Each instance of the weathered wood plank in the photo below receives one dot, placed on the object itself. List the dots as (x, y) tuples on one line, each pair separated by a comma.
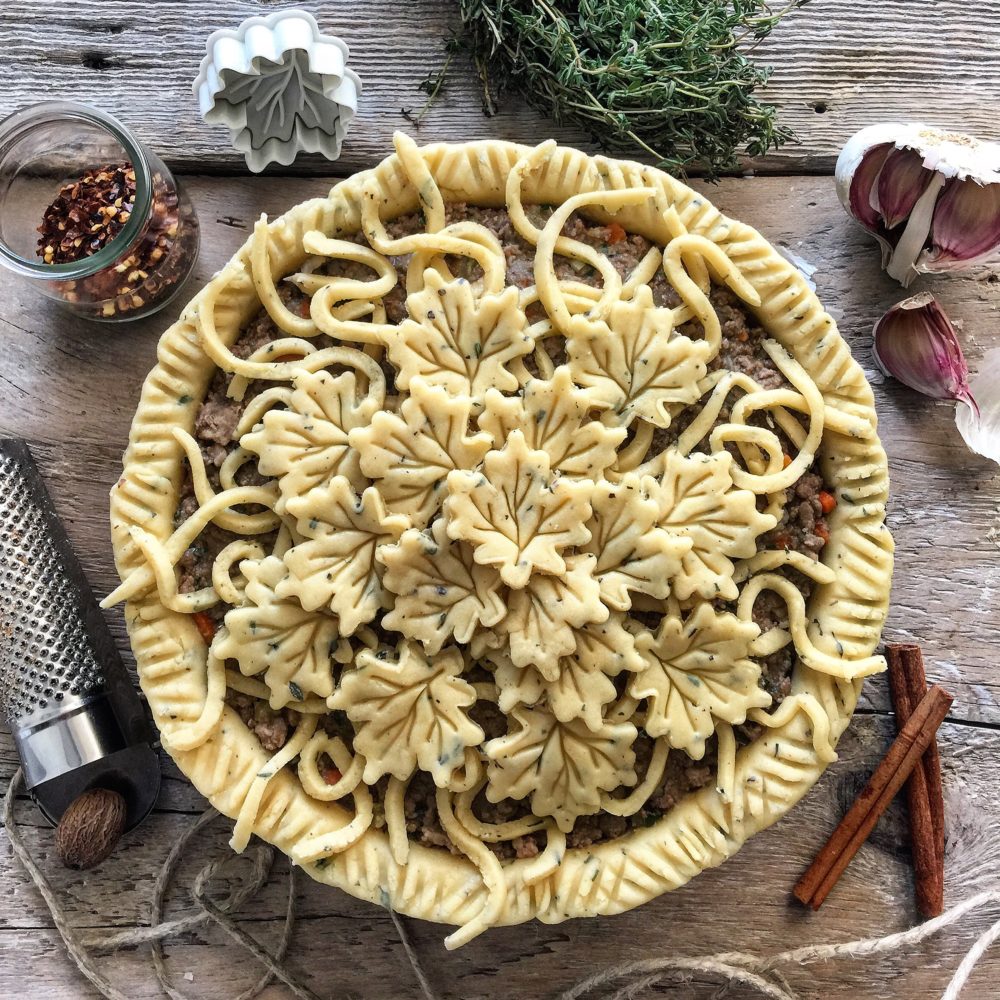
[(352, 944), (838, 66), (71, 388)]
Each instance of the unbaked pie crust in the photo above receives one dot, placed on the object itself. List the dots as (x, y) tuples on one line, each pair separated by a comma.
[(483, 513)]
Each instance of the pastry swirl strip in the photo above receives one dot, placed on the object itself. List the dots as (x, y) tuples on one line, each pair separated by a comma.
[(493, 280), (808, 653), (492, 833), (141, 580), (276, 371), (395, 819), (194, 734), (285, 348), (222, 568), (158, 560), (676, 255), (340, 840), (813, 401), (550, 242), (276, 395), (547, 860), (725, 781), (230, 520), (232, 464), (771, 559), (247, 815), (639, 795), (822, 735), (343, 322), (489, 869), (267, 292), (308, 768)]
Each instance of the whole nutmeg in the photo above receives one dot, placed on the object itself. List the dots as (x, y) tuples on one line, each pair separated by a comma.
[(90, 828)]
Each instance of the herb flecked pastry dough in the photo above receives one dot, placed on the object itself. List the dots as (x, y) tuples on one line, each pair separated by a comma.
[(506, 541)]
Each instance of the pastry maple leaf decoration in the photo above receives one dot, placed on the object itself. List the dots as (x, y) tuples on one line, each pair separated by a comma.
[(336, 566), (555, 417), (306, 444), (410, 712), (631, 552), (459, 343), (516, 514), (698, 671), (411, 453), (543, 618), (633, 365), (292, 647), (441, 591), (698, 502), (562, 766)]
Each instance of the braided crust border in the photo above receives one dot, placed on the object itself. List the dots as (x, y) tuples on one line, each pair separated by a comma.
[(772, 774)]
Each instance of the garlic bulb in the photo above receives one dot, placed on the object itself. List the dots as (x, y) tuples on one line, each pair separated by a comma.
[(931, 198)]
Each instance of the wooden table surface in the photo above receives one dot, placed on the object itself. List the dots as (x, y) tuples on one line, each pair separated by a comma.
[(70, 388)]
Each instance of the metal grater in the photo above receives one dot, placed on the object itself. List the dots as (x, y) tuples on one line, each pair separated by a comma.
[(77, 721)]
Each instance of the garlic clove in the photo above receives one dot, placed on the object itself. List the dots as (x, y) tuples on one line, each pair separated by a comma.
[(980, 426), (901, 182), (916, 344), (966, 224), (863, 186)]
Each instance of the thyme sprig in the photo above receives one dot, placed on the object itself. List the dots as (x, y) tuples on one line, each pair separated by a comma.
[(668, 77)]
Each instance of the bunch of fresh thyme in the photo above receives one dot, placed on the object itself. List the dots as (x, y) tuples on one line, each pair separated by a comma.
[(669, 77)]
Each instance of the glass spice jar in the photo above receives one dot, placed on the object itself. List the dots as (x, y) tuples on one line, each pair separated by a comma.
[(90, 215)]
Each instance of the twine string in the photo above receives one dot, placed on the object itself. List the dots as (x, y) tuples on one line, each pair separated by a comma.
[(82, 948), (625, 981)]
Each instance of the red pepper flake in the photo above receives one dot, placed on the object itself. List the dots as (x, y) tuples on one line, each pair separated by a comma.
[(822, 531), (827, 501), (303, 309), (206, 626), (782, 540), (615, 233), (786, 460)]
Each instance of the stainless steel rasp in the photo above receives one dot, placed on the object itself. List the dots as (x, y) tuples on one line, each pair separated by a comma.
[(77, 720)]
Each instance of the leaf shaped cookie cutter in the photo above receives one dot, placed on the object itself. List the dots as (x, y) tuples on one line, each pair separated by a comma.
[(280, 86)]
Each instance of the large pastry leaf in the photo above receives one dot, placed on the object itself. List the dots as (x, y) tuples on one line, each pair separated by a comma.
[(294, 649), (697, 672), (631, 552), (441, 591), (543, 617), (554, 417), (306, 445), (563, 766), (515, 514), (456, 342), (412, 452), (633, 364), (698, 502), (337, 567), (409, 713)]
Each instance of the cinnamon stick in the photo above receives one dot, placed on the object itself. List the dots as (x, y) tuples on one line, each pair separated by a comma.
[(889, 777), (925, 795)]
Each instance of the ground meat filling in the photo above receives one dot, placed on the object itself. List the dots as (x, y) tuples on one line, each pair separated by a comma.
[(802, 527)]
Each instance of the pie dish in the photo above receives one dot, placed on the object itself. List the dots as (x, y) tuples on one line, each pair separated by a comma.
[(502, 535)]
